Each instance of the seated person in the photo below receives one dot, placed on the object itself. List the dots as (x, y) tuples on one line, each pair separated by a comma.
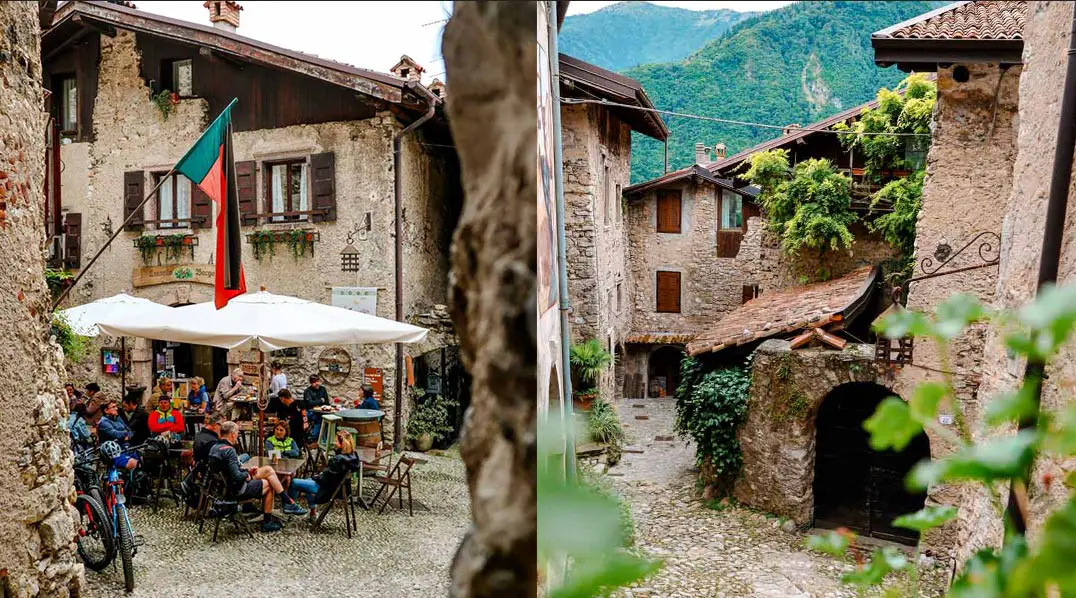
[(73, 396), (246, 484), (288, 408), (280, 441), (198, 398), (165, 418), (113, 429), (319, 489), (91, 391), (135, 416), (80, 431), (315, 395), (368, 400), (163, 388), (208, 436)]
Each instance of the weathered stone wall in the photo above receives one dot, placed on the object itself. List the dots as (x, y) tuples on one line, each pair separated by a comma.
[(37, 523), (773, 270), (131, 134), (1046, 37), (490, 56), (599, 284)]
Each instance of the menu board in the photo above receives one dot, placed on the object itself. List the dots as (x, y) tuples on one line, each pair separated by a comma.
[(375, 378)]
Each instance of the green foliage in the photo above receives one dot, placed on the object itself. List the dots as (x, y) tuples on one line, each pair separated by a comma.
[(165, 102), (57, 280), (797, 64), (173, 245), (811, 209), (589, 359), (599, 558), (603, 425), (709, 408), (602, 485), (906, 114), (927, 518), (883, 562), (262, 243), (892, 425), (831, 543), (75, 346), (430, 416)]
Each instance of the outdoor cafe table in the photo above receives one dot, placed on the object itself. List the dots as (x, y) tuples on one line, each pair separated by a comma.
[(354, 418), (284, 466)]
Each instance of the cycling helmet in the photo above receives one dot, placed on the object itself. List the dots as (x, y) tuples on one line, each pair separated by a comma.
[(110, 449)]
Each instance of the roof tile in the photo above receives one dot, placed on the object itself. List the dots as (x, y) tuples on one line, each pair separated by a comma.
[(969, 20)]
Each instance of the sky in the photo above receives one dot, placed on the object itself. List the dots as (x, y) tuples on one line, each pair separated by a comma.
[(369, 35), (581, 8)]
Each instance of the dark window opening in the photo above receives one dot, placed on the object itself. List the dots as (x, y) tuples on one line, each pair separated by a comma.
[(68, 105), (961, 74)]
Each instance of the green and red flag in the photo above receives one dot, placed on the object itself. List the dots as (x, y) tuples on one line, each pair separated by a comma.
[(211, 165)]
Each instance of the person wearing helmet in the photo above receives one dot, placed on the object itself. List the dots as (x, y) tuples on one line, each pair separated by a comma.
[(113, 429)]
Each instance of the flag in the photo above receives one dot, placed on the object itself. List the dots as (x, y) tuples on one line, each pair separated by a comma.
[(211, 165)]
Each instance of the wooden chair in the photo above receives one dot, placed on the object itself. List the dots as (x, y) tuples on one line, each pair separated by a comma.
[(341, 493), (398, 479)]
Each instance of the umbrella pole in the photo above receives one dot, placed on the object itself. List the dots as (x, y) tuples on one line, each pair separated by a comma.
[(123, 367), (263, 402)]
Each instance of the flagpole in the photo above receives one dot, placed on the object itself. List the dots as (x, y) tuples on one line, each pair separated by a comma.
[(115, 234)]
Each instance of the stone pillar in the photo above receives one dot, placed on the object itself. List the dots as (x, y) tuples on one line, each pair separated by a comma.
[(490, 56), (37, 523)]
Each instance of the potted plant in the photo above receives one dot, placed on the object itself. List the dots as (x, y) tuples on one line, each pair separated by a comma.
[(588, 360), (428, 422)]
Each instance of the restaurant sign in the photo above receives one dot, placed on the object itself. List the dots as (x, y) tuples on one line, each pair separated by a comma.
[(360, 299), (154, 275)]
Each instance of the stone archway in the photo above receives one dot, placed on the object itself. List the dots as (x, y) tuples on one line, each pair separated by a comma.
[(855, 486), (663, 371)]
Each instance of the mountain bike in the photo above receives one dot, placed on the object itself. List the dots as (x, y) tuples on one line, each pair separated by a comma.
[(116, 507), (96, 544)]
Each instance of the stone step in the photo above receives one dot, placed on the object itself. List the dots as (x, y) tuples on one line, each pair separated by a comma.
[(642, 417), (639, 406), (664, 438)]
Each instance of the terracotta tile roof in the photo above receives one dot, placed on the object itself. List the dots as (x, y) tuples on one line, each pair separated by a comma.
[(785, 311), (965, 20), (659, 338)]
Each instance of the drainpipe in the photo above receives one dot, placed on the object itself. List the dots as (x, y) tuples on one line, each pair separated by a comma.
[(397, 145), (1050, 257), (562, 260)]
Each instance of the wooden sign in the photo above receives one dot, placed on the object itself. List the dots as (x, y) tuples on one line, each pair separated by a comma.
[(155, 275), (376, 379)]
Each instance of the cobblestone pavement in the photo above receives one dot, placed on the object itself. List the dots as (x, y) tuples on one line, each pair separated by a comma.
[(731, 552), (390, 555)]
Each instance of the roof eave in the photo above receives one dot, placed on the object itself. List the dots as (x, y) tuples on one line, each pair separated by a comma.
[(382, 87), (696, 173), (926, 54)]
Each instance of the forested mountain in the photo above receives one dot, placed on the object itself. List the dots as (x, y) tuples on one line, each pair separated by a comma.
[(628, 34), (796, 64)]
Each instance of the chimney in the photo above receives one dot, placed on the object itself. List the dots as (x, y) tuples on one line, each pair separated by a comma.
[(408, 69), (437, 87), (702, 154), (719, 151), (224, 14)]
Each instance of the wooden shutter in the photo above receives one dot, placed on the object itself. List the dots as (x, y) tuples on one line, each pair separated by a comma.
[(323, 176), (246, 188), (201, 207), (72, 241), (669, 211), (133, 194), (668, 294)]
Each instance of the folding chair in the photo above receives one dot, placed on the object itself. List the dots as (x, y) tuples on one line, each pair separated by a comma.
[(398, 479), (215, 496), (341, 493)]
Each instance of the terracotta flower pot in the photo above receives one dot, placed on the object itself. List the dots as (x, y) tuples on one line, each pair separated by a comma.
[(584, 400), (424, 443)]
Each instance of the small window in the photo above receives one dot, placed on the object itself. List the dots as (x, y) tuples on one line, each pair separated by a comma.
[(404, 72), (669, 211), (668, 292), (173, 201), (183, 77), (288, 191), (617, 199), (731, 210), (69, 105), (607, 188), (618, 296)]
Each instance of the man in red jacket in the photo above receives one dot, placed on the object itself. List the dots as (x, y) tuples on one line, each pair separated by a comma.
[(165, 419)]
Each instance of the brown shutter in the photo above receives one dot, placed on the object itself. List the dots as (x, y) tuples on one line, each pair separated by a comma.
[(323, 176), (246, 188), (72, 241), (668, 294), (133, 194), (668, 207), (201, 208)]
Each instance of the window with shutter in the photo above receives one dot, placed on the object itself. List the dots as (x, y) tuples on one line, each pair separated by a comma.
[(72, 241), (246, 190), (133, 194), (201, 208), (669, 211), (668, 292), (323, 177)]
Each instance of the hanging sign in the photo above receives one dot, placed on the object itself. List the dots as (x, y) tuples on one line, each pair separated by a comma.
[(376, 379), (155, 275), (360, 299)]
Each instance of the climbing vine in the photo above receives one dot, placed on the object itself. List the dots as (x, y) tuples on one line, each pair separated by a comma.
[(710, 406), (74, 345), (789, 404), (166, 102)]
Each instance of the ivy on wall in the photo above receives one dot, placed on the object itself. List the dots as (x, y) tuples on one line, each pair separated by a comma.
[(710, 406)]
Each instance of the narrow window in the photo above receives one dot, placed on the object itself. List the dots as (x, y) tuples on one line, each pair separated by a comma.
[(607, 188), (731, 210), (183, 77), (669, 211), (668, 292), (618, 198), (173, 201), (69, 106), (288, 191), (618, 296)]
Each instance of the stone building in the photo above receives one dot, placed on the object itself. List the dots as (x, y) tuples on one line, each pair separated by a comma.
[(313, 146), (699, 249), (37, 557), (597, 167)]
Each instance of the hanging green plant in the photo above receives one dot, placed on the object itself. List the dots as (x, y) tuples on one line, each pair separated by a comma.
[(57, 280), (147, 247), (299, 240), (262, 242), (166, 102)]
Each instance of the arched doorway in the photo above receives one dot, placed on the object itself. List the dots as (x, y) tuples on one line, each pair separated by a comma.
[(855, 486), (663, 372)]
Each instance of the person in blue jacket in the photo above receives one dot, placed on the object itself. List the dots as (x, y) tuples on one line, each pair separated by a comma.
[(112, 427)]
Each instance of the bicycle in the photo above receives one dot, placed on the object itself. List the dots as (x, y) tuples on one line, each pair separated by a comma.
[(116, 507), (95, 542)]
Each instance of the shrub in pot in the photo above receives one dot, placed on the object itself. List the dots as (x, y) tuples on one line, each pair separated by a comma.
[(588, 360)]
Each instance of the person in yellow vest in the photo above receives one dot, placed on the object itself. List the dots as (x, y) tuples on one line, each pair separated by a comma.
[(280, 441)]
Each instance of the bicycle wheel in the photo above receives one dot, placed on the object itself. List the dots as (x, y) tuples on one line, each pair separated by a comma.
[(95, 546), (126, 541)]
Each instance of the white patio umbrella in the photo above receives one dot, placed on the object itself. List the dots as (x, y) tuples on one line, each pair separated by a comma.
[(84, 319)]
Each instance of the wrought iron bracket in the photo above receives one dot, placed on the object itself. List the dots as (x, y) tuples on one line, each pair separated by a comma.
[(989, 250)]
